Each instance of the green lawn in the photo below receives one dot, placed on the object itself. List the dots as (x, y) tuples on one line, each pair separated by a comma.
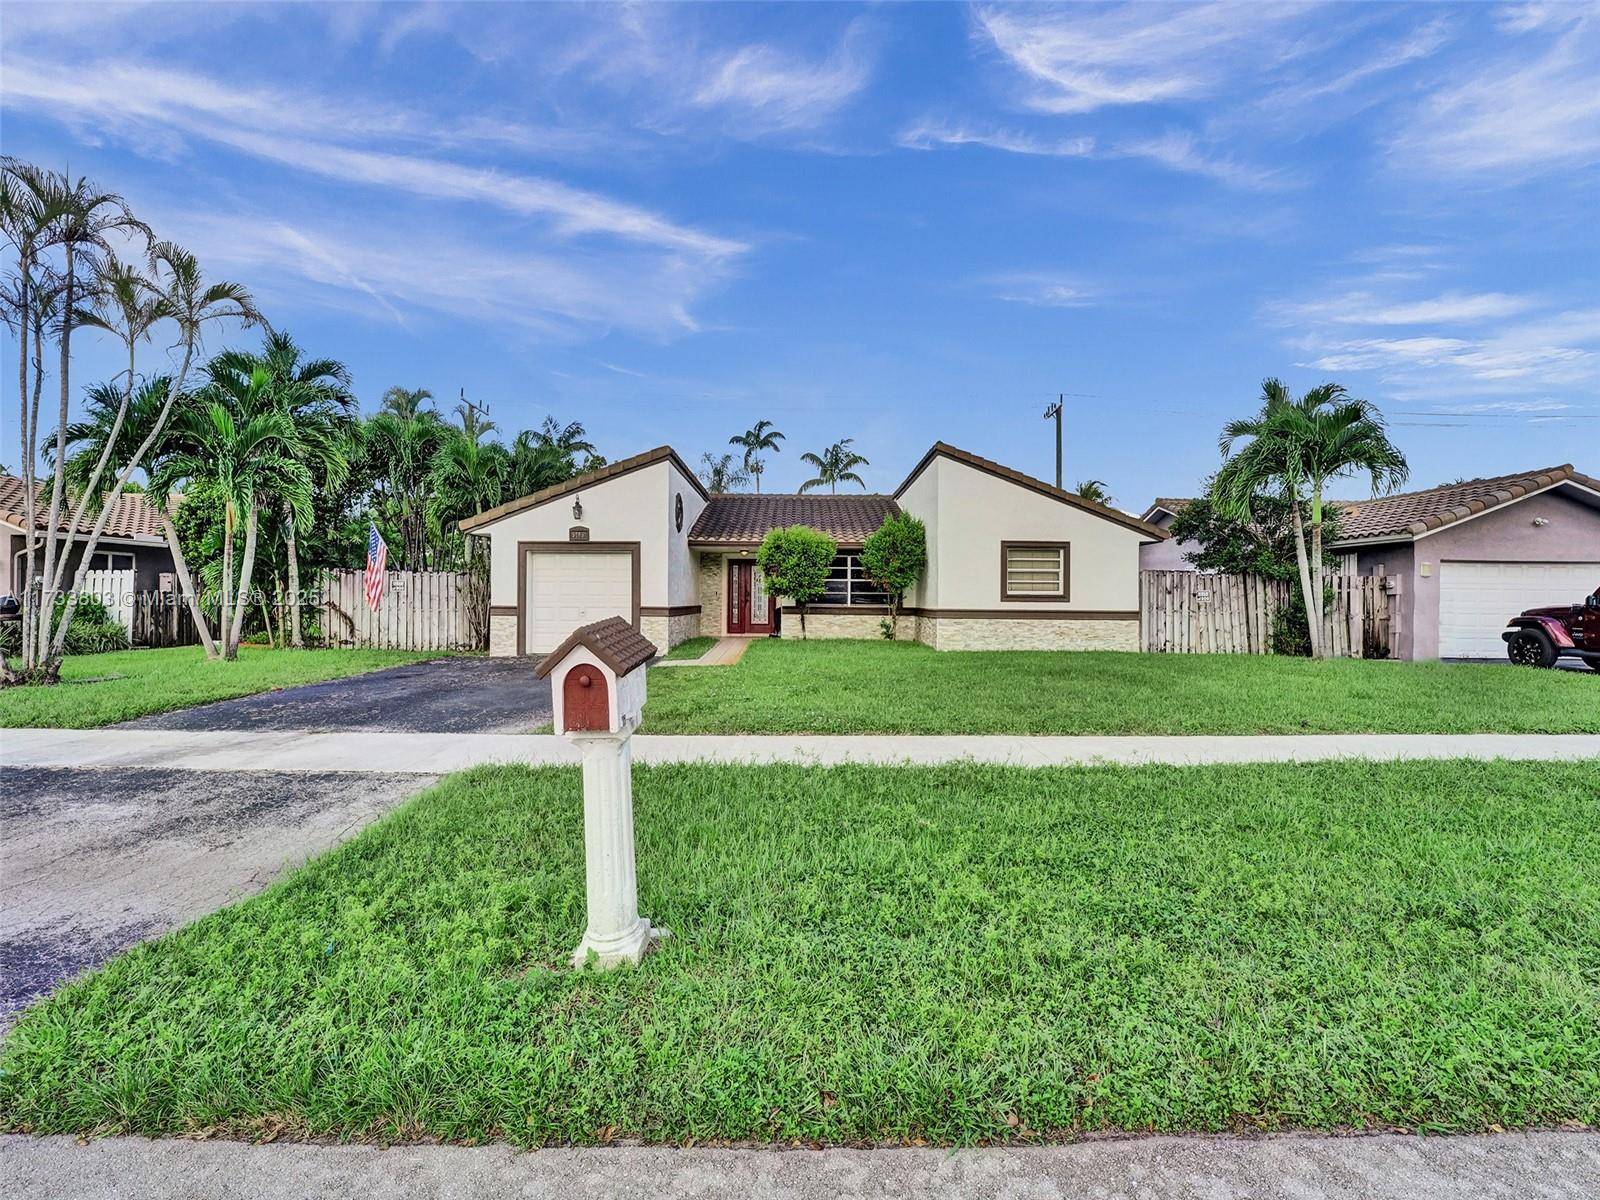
[(869, 954), (889, 687), (102, 689), (692, 648)]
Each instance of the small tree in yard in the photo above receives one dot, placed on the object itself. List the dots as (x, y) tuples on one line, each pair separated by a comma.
[(796, 561), (895, 557)]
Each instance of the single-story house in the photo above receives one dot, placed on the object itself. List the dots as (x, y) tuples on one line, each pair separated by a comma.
[(132, 539), (1013, 562), (1468, 555)]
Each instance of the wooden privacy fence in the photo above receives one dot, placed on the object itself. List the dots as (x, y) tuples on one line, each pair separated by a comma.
[(1184, 612), (420, 610), (162, 619)]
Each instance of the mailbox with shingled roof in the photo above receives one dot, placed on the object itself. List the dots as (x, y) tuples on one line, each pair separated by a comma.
[(597, 677), (597, 685)]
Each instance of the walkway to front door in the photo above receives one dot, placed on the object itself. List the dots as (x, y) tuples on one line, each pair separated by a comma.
[(726, 652), (749, 608)]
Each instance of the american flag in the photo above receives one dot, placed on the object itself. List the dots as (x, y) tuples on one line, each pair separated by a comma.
[(377, 559)]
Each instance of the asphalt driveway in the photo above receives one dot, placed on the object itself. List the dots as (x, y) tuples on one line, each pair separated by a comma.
[(446, 695), (92, 861)]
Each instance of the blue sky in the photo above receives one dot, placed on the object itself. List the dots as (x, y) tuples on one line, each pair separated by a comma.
[(895, 223)]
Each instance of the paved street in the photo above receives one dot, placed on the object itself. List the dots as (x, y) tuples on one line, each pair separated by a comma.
[(1544, 1166), (448, 695), (93, 861)]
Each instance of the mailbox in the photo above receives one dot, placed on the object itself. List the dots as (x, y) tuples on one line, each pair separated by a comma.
[(597, 678), (597, 683)]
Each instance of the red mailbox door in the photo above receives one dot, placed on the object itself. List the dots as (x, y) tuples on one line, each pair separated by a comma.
[(583, 699)]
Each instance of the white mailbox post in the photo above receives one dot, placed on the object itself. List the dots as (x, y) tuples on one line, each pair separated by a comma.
[(597, 683)]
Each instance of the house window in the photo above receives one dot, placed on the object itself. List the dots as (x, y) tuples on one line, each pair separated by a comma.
[(1034, 570), (111, 562), (848, 583)]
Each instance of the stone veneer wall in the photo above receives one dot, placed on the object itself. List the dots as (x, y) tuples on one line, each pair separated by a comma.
[(712, 572), (667, 632), (984, 633), (836, 624), (502, 637)]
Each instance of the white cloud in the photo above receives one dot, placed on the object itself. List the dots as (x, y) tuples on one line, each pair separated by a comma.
[(1043, 290), (928, 135), (1181, 152), (1077, 59), (777, 90), (1533, 108), (284, 130), (1364, 308)]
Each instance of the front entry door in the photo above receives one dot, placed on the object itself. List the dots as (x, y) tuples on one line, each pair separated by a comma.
[(749, 606)]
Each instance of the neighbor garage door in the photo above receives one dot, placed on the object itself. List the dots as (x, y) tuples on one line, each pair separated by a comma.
[(1475, 598), (566, 590)]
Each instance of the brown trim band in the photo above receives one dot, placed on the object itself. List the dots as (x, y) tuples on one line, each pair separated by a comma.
[(1066, 572), (681, 610), (1022, 614), (502, 610), (873, 610), (526, 548), (588, 479)]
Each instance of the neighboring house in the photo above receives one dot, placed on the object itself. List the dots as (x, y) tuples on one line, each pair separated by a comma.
[(1012, 561), (132, 540), (1168, 555), (1469, 555)]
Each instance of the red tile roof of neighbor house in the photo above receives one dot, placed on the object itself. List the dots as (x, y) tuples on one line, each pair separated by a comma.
[(1408, 514), (132, 516), (744, 519)]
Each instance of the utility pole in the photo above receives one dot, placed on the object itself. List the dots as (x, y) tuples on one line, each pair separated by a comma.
[(1055, 411)]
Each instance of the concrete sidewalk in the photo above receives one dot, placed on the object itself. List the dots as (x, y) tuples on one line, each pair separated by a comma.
[(435, 753), (1386, 1167)]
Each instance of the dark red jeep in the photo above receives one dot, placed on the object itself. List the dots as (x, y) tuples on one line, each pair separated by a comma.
[(1540, 636)]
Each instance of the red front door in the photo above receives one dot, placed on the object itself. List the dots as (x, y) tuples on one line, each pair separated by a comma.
[(749, 606)]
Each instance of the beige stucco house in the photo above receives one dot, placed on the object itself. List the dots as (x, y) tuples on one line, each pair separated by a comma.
[(1012, 561)]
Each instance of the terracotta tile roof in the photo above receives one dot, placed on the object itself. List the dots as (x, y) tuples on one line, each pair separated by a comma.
[(746, 518), (612, 640), (1411, 513), (578, 482), (132, 516), (1000, 471)]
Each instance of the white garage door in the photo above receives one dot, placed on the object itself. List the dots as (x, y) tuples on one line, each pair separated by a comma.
[(568, 590), (1476, 598)]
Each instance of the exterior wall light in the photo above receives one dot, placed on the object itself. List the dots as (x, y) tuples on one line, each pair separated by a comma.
[(577, 510)]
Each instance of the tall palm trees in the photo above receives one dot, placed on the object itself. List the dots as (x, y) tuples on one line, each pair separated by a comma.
[(404, 436), (834, 466), (314, 394), (1292, 449), (759, 437)]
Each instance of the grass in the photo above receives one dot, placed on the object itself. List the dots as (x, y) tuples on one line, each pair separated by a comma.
[(692, 648), (889, 687), (866, 955), (102, 689)]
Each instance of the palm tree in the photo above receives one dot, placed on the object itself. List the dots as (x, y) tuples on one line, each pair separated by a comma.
[(1094, 491), (246, 460), (467, 476), (721, 473), (548, 455), (405, 403), (761, 436), (315, 396), (1294, 448), (835, 465)]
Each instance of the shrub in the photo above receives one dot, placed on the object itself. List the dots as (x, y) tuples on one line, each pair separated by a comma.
[(894, 557), (93, 630), (796, 561)]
